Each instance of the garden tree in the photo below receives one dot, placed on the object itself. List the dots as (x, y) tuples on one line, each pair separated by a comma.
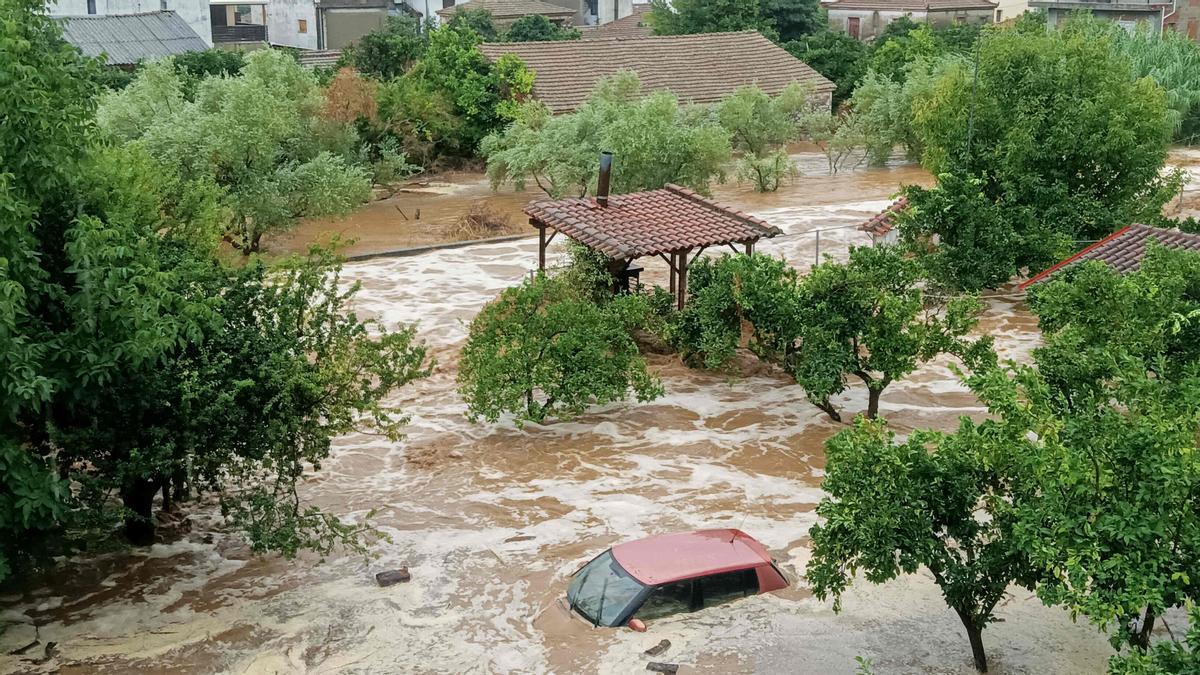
[(193, 67), (683, 17), (484, 96), (839, 57), (891, 57), (895, 29), (477, 20), (1063, 141), (1166, 657), (258, 136), (1107, 502), (350, 97), (936, 501), (545, 349), (839, 137), (883, 109), (129, 353), (391, 50), (539, 28), (421, 118), (759, 127), (866, 318), (794, 19), (655, 141)]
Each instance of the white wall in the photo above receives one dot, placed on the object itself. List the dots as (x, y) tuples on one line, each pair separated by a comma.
[(871, 23), (194, 12), (283, 23), (605, 10)]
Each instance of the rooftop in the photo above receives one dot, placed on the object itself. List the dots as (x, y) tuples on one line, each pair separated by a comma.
[(882, 223), (510, 9), (649, 223), (909, 5), (701, 68), (673, 557), (129, 38), (634, 25), (1123, 250)]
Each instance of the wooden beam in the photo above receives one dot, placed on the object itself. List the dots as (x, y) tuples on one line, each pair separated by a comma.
[(541, 247), (683, 260), (674, 272), (750, 247)]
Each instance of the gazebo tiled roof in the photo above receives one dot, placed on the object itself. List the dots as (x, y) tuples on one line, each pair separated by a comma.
[(1123, 250), (649, 223)]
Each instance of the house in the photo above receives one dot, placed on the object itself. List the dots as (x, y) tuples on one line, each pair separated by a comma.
[(701, 68), (1127, 13), (1184, 18), (505, 12), (331, 25), (127, 39), (632, 25), (866, 19), (882, 226), (194, 13), (239, 24), (1123, 250)]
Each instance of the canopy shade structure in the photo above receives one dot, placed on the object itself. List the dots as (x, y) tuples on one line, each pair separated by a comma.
[(674, 223)]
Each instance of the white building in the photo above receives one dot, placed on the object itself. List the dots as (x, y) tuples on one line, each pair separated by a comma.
[(194, 12)]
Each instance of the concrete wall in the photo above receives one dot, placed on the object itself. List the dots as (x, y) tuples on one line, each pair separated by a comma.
[(871, 22), (1010, 9), (194, 12), (342, 26), (1128, 18), (283, 23), (967, 16), (605, 8)]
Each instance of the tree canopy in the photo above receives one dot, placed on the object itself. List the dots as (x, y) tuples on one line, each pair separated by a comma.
[(538, 28)]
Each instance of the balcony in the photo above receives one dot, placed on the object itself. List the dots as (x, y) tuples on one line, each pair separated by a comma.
[(245, 33)]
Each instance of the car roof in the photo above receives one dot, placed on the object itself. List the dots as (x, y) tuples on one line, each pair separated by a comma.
[(674, 557)]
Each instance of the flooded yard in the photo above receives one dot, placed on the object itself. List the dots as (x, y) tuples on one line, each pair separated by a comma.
[(492, 520)]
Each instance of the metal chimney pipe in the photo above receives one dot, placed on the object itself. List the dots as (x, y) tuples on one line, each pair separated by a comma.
[(605, 175)]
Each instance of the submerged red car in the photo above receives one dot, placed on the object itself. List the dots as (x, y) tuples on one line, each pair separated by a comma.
[(655, 577)]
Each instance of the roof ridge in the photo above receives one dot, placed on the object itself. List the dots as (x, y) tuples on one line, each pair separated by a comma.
[(689, 36), (718, 207)]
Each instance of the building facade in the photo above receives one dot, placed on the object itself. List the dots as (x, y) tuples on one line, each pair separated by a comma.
[(1126, 13), (866, 19)]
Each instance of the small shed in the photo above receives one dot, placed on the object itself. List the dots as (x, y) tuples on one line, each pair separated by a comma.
[(882, 226), (675, 224), (1123, 250)]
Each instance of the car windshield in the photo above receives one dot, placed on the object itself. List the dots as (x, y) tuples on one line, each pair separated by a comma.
[(603, 592)]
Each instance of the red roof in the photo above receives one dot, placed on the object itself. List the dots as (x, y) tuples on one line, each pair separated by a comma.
[(674, 557), (1124, 249), (883, 223), (648, 223)]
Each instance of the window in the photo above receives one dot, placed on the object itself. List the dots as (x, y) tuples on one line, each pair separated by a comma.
[(91, 6), (603, 592), (303, 26), (999, 13), (677, 598), (722, 588)]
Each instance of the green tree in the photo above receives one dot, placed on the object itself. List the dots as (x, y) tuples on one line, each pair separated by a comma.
[(936, 501), (257, 136), (391, 50), (539, 28), (545, 350), (683, 17), (477, 20), (892, 57), (1167, 657), (760, 126), (655, 141), (837, 56), (794, 19), (1062, 140)]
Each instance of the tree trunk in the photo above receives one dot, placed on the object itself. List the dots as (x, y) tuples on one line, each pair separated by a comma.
[(828, 409), (1141, 639), (255, 241), (179, 486), (138, 497), (975, 635), (873, 403)]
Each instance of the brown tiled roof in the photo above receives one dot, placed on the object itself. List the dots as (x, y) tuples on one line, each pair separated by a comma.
[(885, 220), (510, 9), (700, 68), (909, 5), (634, 25), (1124, 249), (648, 223)]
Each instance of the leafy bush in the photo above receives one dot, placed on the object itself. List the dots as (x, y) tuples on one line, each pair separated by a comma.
[(478, 21), (390, 51), (655, 141), (839, 57), (542, 350), (766, 173), (539, 28)]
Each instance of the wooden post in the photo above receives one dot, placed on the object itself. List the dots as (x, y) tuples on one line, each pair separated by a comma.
[(541, 247), (749, 248), (671, 273), (683, 265)]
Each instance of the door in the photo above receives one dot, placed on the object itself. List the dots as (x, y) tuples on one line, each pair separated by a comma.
[(854, 27)]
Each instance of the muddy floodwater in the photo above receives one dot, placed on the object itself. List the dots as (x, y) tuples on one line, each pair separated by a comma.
[(491, 521)]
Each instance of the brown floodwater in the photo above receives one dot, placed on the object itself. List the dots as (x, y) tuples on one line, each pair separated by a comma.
[(492, 520)]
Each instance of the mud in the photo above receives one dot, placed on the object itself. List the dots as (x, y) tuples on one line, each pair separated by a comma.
[(491, 520)]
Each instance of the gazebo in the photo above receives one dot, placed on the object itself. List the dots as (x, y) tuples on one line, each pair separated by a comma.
[(674, 223)]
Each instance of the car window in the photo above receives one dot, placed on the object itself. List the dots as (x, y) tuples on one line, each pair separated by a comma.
[(720, 588), (668, 599), (603, 592)]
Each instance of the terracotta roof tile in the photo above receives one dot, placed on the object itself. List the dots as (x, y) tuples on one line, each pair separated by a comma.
[(909, 5), (1124, 249), (700, 68), (648, 223), (510, 9), (879, 225), (634, 25)]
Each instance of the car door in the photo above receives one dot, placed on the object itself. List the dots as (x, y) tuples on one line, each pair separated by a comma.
[(718, 589), (679, 597)]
